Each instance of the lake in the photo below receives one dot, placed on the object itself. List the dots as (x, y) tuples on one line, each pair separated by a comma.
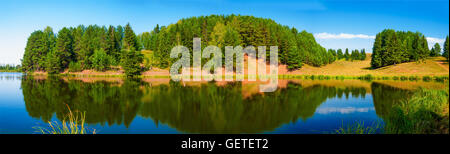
[(162, 106)]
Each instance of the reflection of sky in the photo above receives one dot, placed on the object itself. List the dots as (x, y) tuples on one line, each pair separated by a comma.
[(12, 105), (332, 114), (10, 92), (346, 106)]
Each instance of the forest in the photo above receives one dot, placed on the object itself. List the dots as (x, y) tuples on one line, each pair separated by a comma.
[(102, 48), (79, 48), (394, 47), (295, 47)]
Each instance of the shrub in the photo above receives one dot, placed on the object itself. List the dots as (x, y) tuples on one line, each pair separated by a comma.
[(412, 78), (132, 63), (100, 60), (75, 67), (426, 78), (403, 78), (395, 77)]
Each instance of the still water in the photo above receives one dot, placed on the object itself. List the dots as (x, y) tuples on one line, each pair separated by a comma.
[(161, 106)]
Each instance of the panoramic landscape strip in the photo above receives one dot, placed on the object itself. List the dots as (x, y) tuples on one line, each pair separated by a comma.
[(236, 72)]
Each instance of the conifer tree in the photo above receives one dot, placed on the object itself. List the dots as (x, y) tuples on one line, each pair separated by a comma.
[(446, 48), (64, 49), (436, 50), (346, 55), (340, 55)]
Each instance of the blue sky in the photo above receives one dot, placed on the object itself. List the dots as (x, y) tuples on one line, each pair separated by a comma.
[(336, 24)]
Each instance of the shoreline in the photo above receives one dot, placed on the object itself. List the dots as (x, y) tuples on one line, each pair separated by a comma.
[(399, 77)]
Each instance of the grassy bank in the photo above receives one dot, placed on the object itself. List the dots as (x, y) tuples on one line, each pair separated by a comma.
[(426, 112), (435, 68), (10, 71), (367, 77)]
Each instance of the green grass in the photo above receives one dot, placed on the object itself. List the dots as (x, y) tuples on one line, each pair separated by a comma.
[(425, 113), (73, 123), (359, 128)]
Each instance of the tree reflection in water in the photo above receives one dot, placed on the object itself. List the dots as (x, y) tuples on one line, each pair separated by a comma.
[(207, 108)]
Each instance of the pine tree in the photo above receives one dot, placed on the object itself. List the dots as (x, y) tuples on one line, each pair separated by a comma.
[(232, 37), (331, 56), (376, 61), (112, 47), (77, 34), (130, 40), (33, 51), (49, 39), (425, 51), (132, 61), (436, 50), (362, 54), (52, 63), (293, 57), (64, 49), (340, 55), (346, 55), (446, 49)]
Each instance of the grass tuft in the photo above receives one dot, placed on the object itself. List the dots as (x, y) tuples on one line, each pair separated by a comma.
[(73, 123), (359, 128)]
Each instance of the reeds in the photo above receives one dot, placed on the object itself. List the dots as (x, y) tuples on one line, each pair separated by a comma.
[(425, 113), (359, 128), (73, 123)]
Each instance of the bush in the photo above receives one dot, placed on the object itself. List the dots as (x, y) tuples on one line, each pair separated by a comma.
[(75, 67), (100, 60), (403, 78), (132, 63), (426, 78), (412, 78), (368, 77)]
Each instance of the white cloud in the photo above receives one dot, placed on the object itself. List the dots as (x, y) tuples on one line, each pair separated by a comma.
[(343, 110), (432, 40), (342, 36)]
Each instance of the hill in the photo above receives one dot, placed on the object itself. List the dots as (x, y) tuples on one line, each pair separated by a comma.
[(431, 66)]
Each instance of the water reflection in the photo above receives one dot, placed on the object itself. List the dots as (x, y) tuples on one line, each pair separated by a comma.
[(200, 108)]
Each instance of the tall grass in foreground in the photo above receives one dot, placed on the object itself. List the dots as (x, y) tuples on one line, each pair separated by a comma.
[(425, 113), (359, 128), (73, 123)]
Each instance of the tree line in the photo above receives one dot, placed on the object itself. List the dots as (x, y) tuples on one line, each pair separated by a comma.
[(354, 55), (9, 68), (295, 48), (79, 48), (94, 47), (102, 48), (394, 47)]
